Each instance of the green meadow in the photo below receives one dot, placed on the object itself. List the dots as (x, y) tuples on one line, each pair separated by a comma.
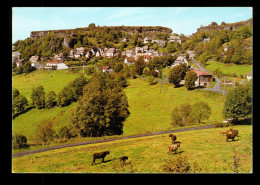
[(229, 68), (50, 80), (206, 149), (150, 110)]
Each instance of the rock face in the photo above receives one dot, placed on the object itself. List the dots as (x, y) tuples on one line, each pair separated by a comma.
[(71, 32), (65, 42), (233, 26)]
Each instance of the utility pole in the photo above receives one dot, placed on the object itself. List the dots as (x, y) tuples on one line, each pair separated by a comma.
[(224, 85)]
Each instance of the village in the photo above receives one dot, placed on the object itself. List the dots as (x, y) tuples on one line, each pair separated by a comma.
[(58, 62)]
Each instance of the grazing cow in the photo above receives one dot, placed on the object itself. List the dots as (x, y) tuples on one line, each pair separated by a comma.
[(173, 138), (100, 155), (173, 148), (231, 136), (234, 132), (123, 159)]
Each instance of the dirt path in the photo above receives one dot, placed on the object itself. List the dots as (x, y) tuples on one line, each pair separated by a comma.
[(20, 154)]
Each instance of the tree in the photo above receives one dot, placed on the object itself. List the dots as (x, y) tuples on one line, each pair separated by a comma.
[(19, 141), (176, 74), (15, 92), (181, 116), (139, 65), (238, 102), (77, 86), (65, 97), (27, 68), (44, 132), (190, 79), (38, 97), (101, 110), (19, 103), (50, 99), (200, 111)]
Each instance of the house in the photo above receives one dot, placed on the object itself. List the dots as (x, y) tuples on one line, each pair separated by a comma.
[(180, 60), (147, 58), (72, 52), (137, 55), (129, 60), (145, 48), (206, 40), (191, 54), (146, 40), (19, 62), (174, 38), (129, 53), (203, 78), (107, 69), (164, 54), (16, 55), (225, 48), (81, 50), (110, 52), (55, 65), (139, 50), (88, 54), (150, 52), (34, 61), (162, 43), (58, 57), (249, 76)]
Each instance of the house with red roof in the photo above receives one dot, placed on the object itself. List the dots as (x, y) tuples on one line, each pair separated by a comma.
[(107, 69), (204, 78)]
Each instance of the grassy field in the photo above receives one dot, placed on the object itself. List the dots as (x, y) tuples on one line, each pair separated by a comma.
[(50, 80), (229, 68), (150, 110), (206, 148)]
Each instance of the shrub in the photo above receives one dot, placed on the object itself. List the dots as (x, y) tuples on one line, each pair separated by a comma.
[(19, 141), (64, 132), (178, 164)]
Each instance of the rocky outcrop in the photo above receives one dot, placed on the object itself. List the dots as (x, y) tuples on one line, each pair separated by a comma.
[(71, 32), (230, 26)]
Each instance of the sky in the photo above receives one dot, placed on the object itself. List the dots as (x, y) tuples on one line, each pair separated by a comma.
[(184, 20)]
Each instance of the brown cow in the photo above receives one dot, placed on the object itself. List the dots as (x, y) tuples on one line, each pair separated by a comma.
[(173, 148), (231, 136), (234, 132), (173, 138), (99, 156)]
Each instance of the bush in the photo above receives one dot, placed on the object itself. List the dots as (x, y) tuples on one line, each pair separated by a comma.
[(19, 141), (179, 164), (64, 132)]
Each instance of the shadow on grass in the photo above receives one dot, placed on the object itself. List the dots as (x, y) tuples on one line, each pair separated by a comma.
[(104, 161)]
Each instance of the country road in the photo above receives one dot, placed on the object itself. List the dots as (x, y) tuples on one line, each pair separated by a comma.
[(20, 154)]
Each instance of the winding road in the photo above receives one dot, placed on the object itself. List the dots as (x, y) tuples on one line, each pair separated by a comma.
[(20, 154)]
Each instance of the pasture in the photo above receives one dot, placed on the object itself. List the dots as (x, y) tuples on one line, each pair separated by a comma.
[(206, 151), (50, 80), (150, 110), (229, 68)]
